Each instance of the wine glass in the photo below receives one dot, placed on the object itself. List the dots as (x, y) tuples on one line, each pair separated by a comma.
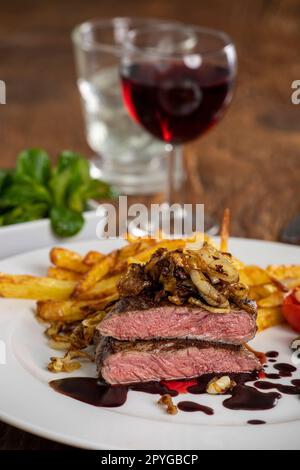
[(176, 93)]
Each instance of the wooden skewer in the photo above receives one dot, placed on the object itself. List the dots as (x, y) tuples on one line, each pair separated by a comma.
[(225, 230)]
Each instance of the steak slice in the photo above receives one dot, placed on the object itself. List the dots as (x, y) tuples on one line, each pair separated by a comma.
[(122, 362), (140, 318)]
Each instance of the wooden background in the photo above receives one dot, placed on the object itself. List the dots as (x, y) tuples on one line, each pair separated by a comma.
[(249, 162)]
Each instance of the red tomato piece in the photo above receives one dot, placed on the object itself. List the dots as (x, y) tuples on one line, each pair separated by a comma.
[(291, 309)]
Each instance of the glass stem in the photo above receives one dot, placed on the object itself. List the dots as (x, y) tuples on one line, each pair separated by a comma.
[(175, 169)]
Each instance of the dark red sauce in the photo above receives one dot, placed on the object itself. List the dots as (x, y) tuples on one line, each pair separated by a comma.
[(191, 406), (285, 370), (94, 392), (249, 398), (243, 397), (272, 376), (272, 354), (256, 422), (91, 391), (296, 382), (272, 361), (240, 378), (285, 389), (155, 388), (97, 393)]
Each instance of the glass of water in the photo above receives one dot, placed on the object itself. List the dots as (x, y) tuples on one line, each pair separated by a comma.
[(125, 155)]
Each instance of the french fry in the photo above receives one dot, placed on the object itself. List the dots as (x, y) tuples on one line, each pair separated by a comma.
[(133, 260), (63, 274), (120, 267), (46, 288), (94, 275), (267, 317), (70, 311), (146, 254), (116, 262), (130, 238), (102, 289), (286, 285), (36, 288), (262, 291), (67, 259), (273, 300), (93, 257), (288, 271), (225, 231), (130, 250), (254, 276)]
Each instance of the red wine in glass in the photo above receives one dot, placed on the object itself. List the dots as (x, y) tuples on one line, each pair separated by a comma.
[(177, 81), (174, 102)]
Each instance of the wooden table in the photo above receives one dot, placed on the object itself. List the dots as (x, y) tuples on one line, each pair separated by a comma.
[(249, 162)]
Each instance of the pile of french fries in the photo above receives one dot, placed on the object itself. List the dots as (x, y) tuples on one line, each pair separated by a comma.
[(78, 290), (266, 286), (75, 294), (268, 292)]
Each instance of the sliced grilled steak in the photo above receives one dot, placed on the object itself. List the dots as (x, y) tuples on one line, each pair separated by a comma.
[(121, 362), (140, 318)]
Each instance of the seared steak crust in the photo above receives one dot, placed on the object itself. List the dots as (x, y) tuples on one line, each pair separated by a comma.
[(108, 346), (128, 303)]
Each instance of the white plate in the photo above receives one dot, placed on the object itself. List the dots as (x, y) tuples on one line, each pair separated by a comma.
[(27, 401)]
